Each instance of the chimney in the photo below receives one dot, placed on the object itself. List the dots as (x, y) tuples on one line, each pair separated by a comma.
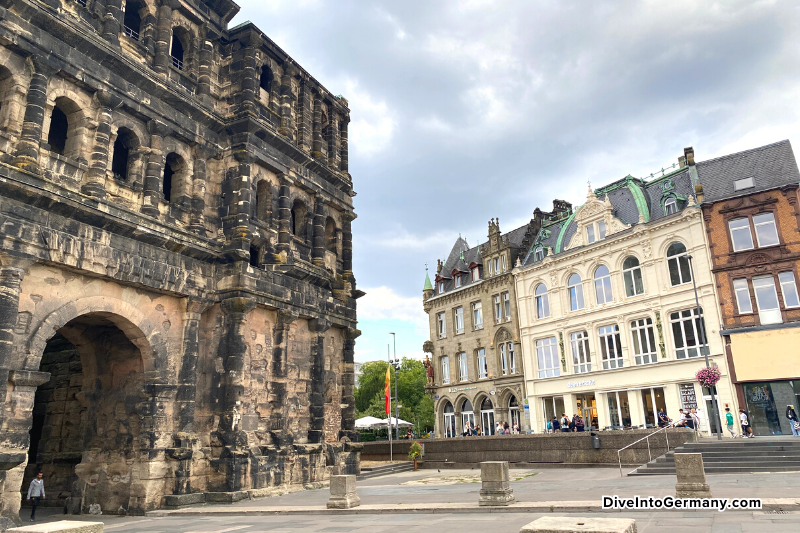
[(688, 154)]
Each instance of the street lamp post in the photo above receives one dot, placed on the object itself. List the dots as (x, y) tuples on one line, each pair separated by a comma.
[(396, 364), (703, 341)]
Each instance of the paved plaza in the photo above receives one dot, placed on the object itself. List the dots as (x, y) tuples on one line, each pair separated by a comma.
[(448, 498)]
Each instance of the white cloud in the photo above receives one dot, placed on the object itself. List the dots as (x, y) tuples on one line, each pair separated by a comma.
[(372, 123), (382, 303)]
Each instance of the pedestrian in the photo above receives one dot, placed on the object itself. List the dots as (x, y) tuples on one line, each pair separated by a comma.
[(498, 428), (681, 419), (410, 434), (556, 425), (744, 419), (549, 426), (506, 429), (663, 419), (579, 424), (467, 430), (729, 422), (564, 423), (695, 419), (477, 431), (794, 421), (36, 493)]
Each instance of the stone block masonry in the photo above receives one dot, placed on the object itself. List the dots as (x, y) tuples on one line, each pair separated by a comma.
[(343, 493), (177, 297), (496, 490), (691, 476)]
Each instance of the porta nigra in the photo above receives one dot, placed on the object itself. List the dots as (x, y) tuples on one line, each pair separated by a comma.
[(177, 301)]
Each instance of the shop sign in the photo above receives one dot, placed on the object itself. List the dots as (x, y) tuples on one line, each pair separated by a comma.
[(580, 383), (688, 398), (461, 389)]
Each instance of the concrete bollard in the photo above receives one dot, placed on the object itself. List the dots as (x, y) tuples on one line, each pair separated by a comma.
[(343, 493), (691, 476), (495, 487), (63, 526), (563, 524)]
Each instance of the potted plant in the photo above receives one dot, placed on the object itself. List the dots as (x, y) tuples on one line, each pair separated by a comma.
[(708, 377), (414, 452)]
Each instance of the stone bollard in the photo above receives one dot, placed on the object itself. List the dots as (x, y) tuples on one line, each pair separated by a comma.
[(495, 488), (343, 493), (63, 526), (563, 524), (691, 476)]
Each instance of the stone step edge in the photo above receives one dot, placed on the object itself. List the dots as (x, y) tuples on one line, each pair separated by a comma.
[(768, 504)]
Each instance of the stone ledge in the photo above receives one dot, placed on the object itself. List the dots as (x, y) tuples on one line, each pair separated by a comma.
[(226, 497), (63, 526)]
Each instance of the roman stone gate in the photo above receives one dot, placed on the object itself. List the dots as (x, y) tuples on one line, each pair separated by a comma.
[(177, 298)]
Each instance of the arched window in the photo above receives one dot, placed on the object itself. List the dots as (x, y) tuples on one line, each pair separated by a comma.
[(602, 285), (120, 159), (59, 126), (63, 136), (513, 415), (176, 50), (254, 256), (449, 421), (538, 255), (670, 206), (330, 235), (299, 219), (575, 292), (174, 173), (132, 22), (487, 417), (542, 302), (632, 276), (263, 201), (266, 79), (467, 416), (678, 263)]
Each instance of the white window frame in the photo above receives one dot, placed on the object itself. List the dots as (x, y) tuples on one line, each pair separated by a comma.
[(477, 315), (742, 226), (601, 230), (463, 367), (458, 320), (771, 315), (590, 235), (692, 320), (504, 262), (503, 361), (631, 272), (538, 254), (789, 287), (507, 305), (575, 292), (497, 265), (483, 364), (498, 309), (678, 259), (670, 203), (441, 287), (476, 274), (547, 358), (445, 370), (457, 280), (581, 356), (610, 351), (643, 346), (744, 183), (442, 320), (741, 289), (604, 287), (764, 229), (512, 358), (542, 302)]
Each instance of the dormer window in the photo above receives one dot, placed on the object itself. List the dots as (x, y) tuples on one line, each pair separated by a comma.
[(596, 232), (476, 274), (441, 287), (670, 206), (457, 280), (538, 255), (504, 262)]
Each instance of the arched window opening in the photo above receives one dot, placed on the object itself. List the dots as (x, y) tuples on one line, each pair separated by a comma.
[(467, 417), (487, 417), (299, 219), (670, 206), (632, 275), (575, 292), (266, 79), (6, 82), (57, 136), (513, 415), (330, 235), (132, 22), (172, 183), (120, 159), (449, 420), (254, 256), (602, 285), (678, 263), (176, 51), (542, 302)]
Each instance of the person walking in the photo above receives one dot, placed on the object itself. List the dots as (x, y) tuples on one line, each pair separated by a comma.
[(556, 425), (794, 421), (743, 418), (579, 424), (564, 423), (695, 420), (663, 419), (729, 422), (36, 493)]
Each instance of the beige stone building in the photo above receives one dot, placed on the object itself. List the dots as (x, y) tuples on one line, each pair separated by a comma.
[(472, 310)]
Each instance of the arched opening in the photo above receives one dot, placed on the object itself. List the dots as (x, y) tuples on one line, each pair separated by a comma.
[(85, 430), (120, 159), (132, 21), (176, 49), (59, 126), (63, 134), (254, 256), (449, 420), (487, 417), (172, 184), (513, 415), (330, 235), (263, 201), (467, 417), (6, 81), (265, 82), (299, 219)]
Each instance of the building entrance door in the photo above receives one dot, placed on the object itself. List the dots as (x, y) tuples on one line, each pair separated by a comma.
[(708, 400), (487, 417), (513, 414), (449, 421), (588, 410), (467, 416)]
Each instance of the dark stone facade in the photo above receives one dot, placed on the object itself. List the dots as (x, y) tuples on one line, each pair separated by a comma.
[(177, 301)]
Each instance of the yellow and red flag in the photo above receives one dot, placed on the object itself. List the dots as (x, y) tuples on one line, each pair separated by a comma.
[(387, 392)]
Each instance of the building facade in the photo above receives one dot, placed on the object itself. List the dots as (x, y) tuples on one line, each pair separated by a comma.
[(177, 301), (609, 327), (478, 375), (753, 224)]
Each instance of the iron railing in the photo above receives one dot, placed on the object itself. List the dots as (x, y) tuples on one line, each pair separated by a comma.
[(649, 454), (130, 33), (177, 63)]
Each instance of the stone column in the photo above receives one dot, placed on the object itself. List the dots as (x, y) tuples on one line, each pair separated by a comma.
[(206, 56), (343, 493), (304, 107), (10, 283), (316, 144), (197, 219), (635, 406), (112, 21), (151, 196), (343, 165), (163, 37), (237, 189), (348, 385), (277, 386), (95, 179), (318, 246), (691, 476), (334, 157), (347, 243), (26, 155), (249, 79), (287, 128), (284, 216), (496, 489), (316, 433)]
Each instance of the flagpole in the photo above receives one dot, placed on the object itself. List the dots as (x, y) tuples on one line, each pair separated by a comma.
[(389, 403)]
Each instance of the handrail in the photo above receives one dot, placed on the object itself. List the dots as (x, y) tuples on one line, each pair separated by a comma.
[(649, 455)]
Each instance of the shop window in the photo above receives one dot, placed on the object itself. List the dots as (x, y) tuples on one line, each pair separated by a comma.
[(789, 289), (542, 302), (678, 264), (513, 414), (440, 319), (445, 370), (610, 347), (547, 357), (581, 359), (687, 330), (602, 285), (644, 341), (742, 291), (769, 310), (467, 415), (766, 231), (463, 371), (741, 237), (477, 315), (487, 417), (575, 289), (619, 410), (483, 368), (632, 276), (458, 319)]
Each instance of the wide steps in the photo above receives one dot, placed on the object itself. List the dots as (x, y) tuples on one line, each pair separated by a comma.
[(368, 472)]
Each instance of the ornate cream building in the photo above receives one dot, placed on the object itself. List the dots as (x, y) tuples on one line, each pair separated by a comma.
[(608, 320)]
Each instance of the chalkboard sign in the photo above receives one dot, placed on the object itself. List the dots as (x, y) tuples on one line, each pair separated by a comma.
[(688, 399)]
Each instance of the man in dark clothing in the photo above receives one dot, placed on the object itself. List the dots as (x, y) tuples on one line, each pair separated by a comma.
[(36, 493), (556, 425)]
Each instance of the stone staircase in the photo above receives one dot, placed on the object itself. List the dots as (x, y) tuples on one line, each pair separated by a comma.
[(368, 472), (733, 456)]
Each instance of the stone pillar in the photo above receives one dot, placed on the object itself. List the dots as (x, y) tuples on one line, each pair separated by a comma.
[(284, 216), (316, 432), (162, 60), (277, 385), (26, 155), (287, 128), (496, 490), (334, 155), (249, 78), (672, 398), (343, 493), (237, 190), (10, 283), (348, 386), (197, 218), (635, 406), (206, 56), (95, 179), (112, 21), (304, 109), (316, 132), (564, 524), (318, 249), (151, 196), (347, 243), (691, 476), (343, 165)]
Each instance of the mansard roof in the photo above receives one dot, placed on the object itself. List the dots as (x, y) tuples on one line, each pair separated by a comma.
[(770, 166)]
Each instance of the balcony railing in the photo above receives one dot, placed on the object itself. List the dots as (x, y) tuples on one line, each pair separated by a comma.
[(177, 63), (130, 33)]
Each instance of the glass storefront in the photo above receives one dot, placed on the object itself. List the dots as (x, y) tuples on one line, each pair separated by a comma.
[(552, 407), (619, 410), (487, 417), (766, 405), (588, 410), (653, 402)]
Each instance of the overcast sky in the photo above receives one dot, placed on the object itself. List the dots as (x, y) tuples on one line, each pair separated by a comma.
[(467, 110)]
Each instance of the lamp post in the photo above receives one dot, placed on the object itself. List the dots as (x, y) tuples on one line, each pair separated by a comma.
[(703, 341), (396, 364)]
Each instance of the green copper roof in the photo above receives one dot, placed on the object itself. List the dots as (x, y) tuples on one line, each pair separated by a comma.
[(638, 197), (428, 286), (563, 231)]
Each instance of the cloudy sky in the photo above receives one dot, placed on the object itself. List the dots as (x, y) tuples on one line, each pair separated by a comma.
[(467, 110)]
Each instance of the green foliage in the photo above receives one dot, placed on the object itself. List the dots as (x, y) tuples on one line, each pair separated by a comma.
[(415, 450)]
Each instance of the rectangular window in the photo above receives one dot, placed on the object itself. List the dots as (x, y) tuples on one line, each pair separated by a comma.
[(590, 234), (512, 361), (483, 369), (477, 315), (743, 302), (686, 331), (445, 370), (581, 360), (789, 289), (769, 311), (457, 280), (504, 263), (740, 234), (507, 305), (458, 318), (601, 230), (463, 373), (610, 347), (476, 274), (442, 325), (766, 232), (547, 356), (496, 265), (503, 361), (498, 309), (644, 341), (441, 287)]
